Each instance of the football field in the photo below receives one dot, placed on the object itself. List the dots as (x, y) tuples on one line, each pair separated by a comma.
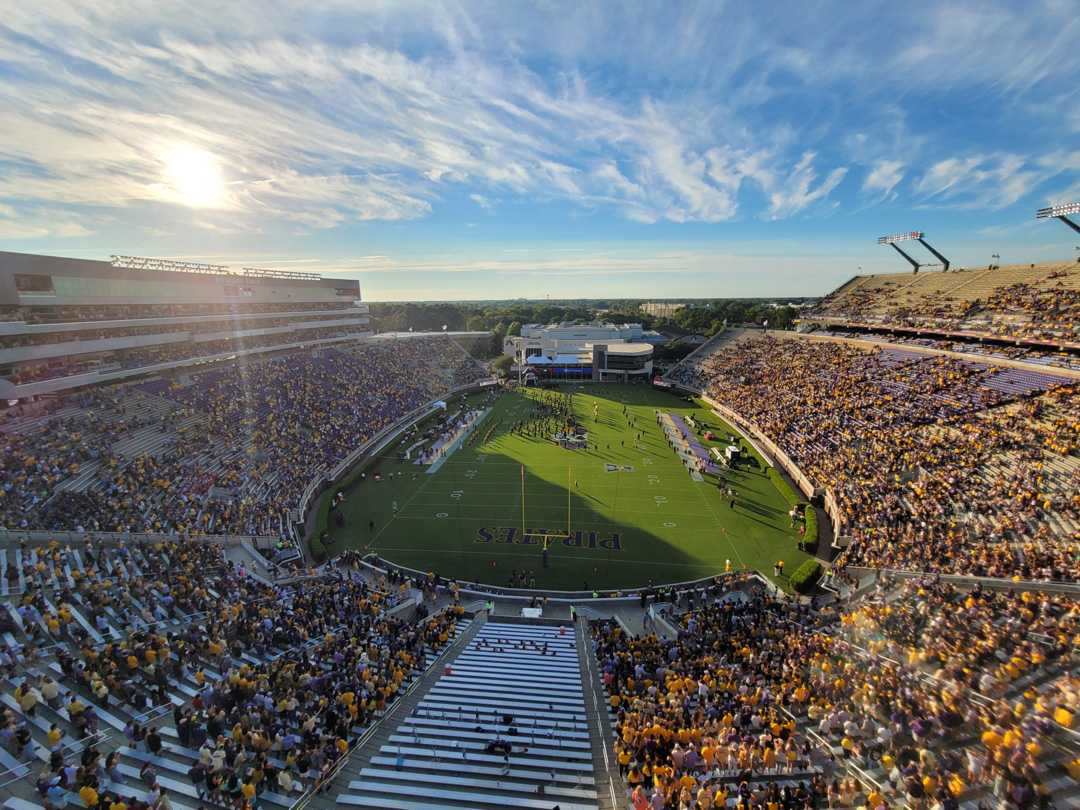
[(622, 513)]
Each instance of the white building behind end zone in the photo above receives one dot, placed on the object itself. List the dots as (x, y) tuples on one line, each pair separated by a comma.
[(596, 351)]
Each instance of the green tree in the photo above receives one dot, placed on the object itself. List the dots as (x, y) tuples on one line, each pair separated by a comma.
[(497, 335), (502, 365), (514, 330)]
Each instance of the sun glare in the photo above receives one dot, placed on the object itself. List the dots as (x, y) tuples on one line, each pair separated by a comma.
[(195, 177)]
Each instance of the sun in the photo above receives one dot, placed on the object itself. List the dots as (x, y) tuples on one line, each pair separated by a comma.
[(194, 177)]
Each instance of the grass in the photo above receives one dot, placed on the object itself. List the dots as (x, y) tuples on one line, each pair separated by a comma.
[(647, 522)]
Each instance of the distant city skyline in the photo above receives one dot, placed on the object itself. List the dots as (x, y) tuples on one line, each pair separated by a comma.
[(458, 151)]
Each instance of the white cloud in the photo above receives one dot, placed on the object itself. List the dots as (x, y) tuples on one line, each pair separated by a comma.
[(40, 223), (407, 99), (791, 194), (1031, 44), (480, 200), (884, 177), (575, 262), (324, 133), (608, 173), (991, 181)]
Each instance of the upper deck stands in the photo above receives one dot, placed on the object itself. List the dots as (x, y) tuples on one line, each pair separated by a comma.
[(1034, 302)]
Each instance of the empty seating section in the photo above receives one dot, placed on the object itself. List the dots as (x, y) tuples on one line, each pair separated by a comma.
[(228, 451), (1038, 302), (143, 671), (937, 464), (1015, 382), (505, 726), (920, 694)]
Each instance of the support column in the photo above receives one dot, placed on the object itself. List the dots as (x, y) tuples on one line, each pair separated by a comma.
[(914, 264)]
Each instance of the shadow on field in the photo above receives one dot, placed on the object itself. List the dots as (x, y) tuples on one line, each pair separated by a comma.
[(466, 520), (597, 554)]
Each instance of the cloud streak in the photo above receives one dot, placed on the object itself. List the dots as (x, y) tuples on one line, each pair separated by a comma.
[(323, 132), (368, 126)]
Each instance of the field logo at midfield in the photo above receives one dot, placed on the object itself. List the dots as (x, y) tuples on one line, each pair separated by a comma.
[(512, 535)]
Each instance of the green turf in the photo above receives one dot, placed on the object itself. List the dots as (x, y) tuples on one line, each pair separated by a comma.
[(628, 528)]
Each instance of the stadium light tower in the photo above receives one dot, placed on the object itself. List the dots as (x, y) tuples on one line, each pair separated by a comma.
[(901, 237), (916, 236), (1061, 212), (938, 256)]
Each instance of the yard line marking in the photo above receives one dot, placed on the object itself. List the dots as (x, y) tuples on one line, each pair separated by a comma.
[(720, 523), (394, 517)]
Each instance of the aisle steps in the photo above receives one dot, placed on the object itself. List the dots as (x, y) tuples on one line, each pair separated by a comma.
[(513, 684)]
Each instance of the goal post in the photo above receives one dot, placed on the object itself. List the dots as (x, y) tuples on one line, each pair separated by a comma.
[(547, 536)]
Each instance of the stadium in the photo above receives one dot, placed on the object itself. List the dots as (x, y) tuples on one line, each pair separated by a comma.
[(456, 405), (215, 480)]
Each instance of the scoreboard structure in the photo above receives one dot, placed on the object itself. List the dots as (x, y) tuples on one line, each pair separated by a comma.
[(917, 236), (1061, 212)]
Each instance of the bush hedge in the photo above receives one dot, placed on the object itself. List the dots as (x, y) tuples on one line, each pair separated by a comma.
[(810, 535), (806, 575)]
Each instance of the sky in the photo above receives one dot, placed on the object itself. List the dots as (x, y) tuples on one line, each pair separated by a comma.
[(481, 150)]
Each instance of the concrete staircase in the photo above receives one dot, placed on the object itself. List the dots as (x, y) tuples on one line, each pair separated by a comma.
[(503, 725)]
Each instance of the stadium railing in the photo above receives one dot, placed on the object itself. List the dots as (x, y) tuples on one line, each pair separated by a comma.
[(717, 338), (877, 339), (774, 455), (631, 594), (323, 782), (996, 583), (11, 391)]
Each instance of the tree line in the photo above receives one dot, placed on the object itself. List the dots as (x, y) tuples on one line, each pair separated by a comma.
[(506, 318)]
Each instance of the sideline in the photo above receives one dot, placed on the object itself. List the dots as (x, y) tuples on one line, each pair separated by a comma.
[(457, 443)]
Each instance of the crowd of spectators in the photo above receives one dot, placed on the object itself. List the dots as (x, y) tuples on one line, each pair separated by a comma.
[(1030, 304), (1020, 310), (932, 469), (936, 695), (265, 431), (982, 640), (35, 462), (285, 678), (1060, 359), (700, 716)]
